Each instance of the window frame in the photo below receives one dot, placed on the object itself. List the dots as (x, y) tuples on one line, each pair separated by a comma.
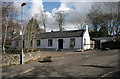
[(72, 42), (84, 41), (38, 43), (50, 42)]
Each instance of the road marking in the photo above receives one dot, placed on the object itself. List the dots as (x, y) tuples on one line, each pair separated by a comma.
[(105, 75)]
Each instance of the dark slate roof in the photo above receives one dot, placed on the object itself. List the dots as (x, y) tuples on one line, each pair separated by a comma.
[(61, 34), (104, 38), (57, 34)]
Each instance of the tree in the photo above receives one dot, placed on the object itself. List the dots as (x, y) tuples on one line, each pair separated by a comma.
[(78, 19), (105, 22), (112, 22), (8, 13), (43, 20), (95, 17), (59, 17), (99, 22), (42, 17), (32, 29)]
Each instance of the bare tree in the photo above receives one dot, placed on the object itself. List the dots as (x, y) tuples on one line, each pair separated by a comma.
[(78, 19), (95, 17), (42, 18), (60, 17), (106, 22), (8, 13), (31, 31)]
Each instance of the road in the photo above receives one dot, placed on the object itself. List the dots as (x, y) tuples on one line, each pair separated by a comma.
[(79, 64)]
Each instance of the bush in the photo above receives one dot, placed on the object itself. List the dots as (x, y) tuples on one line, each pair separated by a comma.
[(111, 45), (47, 59), (16, 50), (71, 46)]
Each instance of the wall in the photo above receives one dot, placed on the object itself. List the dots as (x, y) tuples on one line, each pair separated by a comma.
[(44, 43), (87, 37), (10, 59), (92, 46), (31, 56), (66, 43), (78, 42), (14, 59)]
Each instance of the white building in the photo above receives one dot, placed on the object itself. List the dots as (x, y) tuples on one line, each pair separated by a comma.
[(74, 39)]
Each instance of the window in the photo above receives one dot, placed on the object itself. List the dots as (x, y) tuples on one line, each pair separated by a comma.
[(72, 42), (38, 42), (84, 41), (49, 42)]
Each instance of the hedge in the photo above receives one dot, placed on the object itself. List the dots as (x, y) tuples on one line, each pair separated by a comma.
[(111, 45)]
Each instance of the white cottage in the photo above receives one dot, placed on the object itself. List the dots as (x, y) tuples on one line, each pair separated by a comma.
[(74, 39)]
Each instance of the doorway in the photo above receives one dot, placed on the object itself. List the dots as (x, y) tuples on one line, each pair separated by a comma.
[(60, 44)]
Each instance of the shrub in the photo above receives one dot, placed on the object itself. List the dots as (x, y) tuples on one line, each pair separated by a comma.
[(47, 59), (71, 46), (16, 50), (111, 45)]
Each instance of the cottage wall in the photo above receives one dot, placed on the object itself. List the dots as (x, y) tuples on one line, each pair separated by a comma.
[(77, 34), (78, 42), (86, 39), (66, 43)]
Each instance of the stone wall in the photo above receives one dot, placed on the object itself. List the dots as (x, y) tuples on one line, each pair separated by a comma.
[(10, 59), (31, 56), (14, 59)]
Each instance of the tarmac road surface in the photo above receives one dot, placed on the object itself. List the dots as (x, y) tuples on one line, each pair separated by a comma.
[(78, 64)]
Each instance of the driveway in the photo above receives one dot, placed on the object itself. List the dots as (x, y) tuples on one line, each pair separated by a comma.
[(92, 63)]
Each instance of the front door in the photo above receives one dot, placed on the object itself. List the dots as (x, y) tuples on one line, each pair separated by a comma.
[(60, 44)]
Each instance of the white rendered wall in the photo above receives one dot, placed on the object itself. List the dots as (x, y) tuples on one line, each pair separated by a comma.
[(78, 42), (44, 43), (87, 37), (66, 43)]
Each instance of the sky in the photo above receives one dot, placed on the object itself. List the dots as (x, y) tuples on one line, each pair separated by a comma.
[(49, 6), (72, 8)]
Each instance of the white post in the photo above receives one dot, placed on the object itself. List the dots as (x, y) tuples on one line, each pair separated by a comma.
[(23, 4)]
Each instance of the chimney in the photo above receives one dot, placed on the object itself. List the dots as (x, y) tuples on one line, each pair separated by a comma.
[(86, 28), (51, 30)]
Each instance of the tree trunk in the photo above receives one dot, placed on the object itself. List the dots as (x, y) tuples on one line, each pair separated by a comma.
[(60, 27), (28, 43), (117, 33), (6, 29), (44, 27), (33, 46)]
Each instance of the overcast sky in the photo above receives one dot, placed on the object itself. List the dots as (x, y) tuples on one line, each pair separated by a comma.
[(70, 7)]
